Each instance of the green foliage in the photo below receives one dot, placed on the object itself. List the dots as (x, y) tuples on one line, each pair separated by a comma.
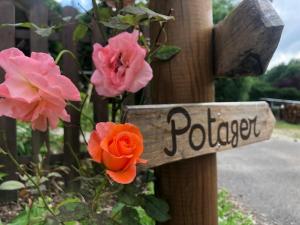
[(24, 141), (11, 185), (34, 215), (229, 214), (285, 76), (72, 209), (166, 52), (97, 200), (221, 9), (42, 31), (156, 208), (132, 16), (80, 32), (261, 89), (228, 89)]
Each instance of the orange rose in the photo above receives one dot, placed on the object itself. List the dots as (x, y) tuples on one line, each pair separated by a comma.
[(118, 147)]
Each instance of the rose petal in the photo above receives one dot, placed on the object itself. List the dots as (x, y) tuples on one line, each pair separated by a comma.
[(94, 148), (123, 177), (112, 162)]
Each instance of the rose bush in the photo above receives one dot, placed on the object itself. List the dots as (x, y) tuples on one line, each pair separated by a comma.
[(120, 66), (34, 89), (118, 147)]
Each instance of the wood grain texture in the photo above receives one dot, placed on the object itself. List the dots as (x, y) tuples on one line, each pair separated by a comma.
[(188, 76), (252, 118), (189, 186), (70, 69), (7, 125), (246, 40), (39, 15)]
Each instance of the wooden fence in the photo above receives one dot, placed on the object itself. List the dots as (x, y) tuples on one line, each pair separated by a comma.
[(28, 41), (287, 110)]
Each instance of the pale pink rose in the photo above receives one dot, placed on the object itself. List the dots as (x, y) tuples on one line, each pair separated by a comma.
[(34, 89), (120, 66)]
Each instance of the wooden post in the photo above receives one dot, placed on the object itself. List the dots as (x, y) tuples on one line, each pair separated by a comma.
[(39, 16), (189, 186), (70, 69), (7, 125)]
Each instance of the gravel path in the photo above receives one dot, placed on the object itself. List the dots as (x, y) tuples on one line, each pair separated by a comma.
[(265, 178)]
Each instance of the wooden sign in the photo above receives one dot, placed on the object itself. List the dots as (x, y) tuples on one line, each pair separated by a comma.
[(246, 39), (180, 131)]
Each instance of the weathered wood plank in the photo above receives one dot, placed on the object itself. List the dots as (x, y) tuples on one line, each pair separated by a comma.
[(7, 125), (100, 103), (71, 70), (38, 15), (175, 132), (247, 39)]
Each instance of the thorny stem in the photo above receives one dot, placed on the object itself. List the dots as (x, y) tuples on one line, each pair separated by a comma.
[(76, 159), (81, 110)]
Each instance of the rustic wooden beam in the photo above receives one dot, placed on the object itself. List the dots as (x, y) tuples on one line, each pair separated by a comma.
[(246, 40), (175, 132)]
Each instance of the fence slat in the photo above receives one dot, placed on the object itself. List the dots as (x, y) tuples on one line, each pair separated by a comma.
[(70, 69), (39, 16), (7, 125), (100, 104)]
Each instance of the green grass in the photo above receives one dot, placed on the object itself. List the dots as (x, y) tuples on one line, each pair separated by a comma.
[(228, 212), (287, 129)]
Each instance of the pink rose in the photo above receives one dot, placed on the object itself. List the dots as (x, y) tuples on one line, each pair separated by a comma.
[(34, 89), (120, 66)]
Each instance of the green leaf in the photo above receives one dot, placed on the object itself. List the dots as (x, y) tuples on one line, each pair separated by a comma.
[(44, 32), (11, 185), (129, 216), (2, 175), (22, 25), (143, 11), (80, 32), (67, 201), (128, 19), (38, 214), (72, 209), (156, 208), (54, 174), (72, 223), (104, 13), (166, 52), (129, 195), (116, 23)]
